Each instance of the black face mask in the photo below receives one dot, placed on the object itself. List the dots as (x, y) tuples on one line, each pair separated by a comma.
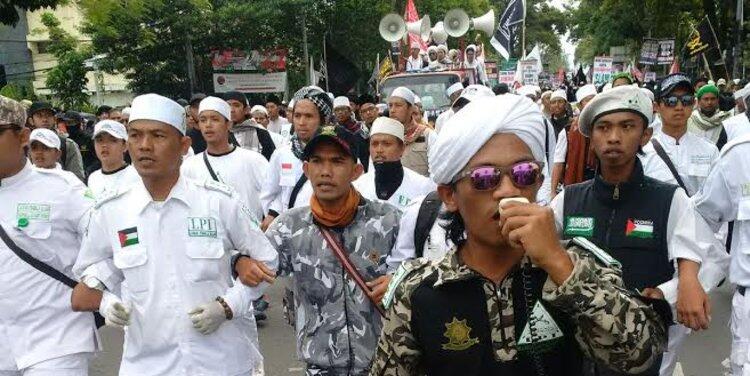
[(388, 177), (708, 113)]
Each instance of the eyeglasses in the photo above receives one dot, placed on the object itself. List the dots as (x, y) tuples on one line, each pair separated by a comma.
[(485, 178), (671, 101)]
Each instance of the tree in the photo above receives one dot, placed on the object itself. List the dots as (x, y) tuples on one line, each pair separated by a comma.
[(67, 81), (9, 14)]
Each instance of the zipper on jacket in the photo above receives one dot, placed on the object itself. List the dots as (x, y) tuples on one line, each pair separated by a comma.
[(609, 225), (616, 192)]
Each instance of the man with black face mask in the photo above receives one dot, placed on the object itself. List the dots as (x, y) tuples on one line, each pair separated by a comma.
[(390, 181), (76, 132)]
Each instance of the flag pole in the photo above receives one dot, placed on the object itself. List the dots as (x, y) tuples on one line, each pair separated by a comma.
[(377, 79), (325, 58)]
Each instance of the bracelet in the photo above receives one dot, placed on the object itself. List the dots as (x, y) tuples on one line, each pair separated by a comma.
[(227, 311)]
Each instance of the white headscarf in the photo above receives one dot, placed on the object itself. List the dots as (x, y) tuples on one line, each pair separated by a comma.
[(469, 129)]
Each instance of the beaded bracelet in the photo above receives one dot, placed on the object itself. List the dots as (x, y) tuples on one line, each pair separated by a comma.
[(227, 311)]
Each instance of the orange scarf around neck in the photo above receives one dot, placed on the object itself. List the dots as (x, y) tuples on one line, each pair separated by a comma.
[(338, 217)]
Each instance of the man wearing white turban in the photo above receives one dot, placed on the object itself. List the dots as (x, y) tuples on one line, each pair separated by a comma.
[(507, 269)]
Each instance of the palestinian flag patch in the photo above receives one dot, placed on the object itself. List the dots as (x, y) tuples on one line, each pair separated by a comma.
[(128, 237), (640, 228)]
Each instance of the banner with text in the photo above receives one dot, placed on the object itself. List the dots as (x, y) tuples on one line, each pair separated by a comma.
[(602, 69), (250, 82), (529, 72)]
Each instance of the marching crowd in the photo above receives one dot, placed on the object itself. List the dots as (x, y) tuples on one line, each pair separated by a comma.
[(575, 231)]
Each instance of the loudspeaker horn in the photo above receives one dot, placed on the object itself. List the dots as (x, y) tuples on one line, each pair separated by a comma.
[(392, 27), (457, 22), (438, 33), (485, 23), (421, 28)]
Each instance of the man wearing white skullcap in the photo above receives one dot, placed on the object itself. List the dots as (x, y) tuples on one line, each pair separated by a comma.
[(390, 180), (110, 144), (453, 92), (172, 234), (475, 66), (417, 136), (442, 57), (581, 164), (645, 224), (506, 255), (414, 62), (560, 115)]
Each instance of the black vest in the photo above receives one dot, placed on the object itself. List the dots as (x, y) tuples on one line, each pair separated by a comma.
[(433, 308), (629, 221)]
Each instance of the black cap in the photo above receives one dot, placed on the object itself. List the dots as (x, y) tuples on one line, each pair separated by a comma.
[(197, 97), (672, 82), (273, 98), (366, 98), (102, 109), (235, 95), (182, 102), (72, 116), (335, 133), (40, 106)]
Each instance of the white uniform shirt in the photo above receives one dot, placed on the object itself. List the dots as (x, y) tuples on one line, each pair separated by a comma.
[(281, 126), (413, 64), (561, 148), (691, 155), (545, 191), (243, 170), (284, 169), (168, 258), (688, 237), (736, 126), (36, 321), (442, 119), (101, 183), (725, 197), (412, 186), (435, 246)]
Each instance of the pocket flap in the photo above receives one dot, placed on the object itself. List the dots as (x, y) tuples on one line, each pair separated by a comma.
[(130, 256), (213, 249), (37, 230)]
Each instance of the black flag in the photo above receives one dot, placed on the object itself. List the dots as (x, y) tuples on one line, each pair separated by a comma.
[(341, 74), (580, 77), (702, 39), (513, 15)]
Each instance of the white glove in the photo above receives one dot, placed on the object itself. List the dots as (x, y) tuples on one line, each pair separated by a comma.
[(208, 317), (114, 310)]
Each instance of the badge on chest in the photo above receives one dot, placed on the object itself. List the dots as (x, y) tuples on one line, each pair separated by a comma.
[(202, 227), (33, 212)]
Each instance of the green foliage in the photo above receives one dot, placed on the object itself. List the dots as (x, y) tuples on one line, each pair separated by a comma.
[(18, 91), (9, 15), (67, 81)]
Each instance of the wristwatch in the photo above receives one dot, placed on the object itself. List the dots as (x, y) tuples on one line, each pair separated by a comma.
[(93, 282)]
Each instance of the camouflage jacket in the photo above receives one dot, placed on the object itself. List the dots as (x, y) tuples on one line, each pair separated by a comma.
[(612, 327), (337, 326)]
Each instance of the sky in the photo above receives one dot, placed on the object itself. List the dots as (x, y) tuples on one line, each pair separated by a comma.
[(568, 47)]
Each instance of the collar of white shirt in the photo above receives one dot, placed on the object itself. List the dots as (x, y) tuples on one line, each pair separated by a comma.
[(179, 192), (25, 171)]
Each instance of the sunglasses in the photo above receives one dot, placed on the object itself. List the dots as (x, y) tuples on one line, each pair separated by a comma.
[(671, 101), (485, 178)]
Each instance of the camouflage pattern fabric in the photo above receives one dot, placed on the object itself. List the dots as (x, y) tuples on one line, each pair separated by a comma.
[(337, 326), (12, 112), (613, 327)]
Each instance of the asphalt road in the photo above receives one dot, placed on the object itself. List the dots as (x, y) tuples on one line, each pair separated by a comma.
[(702, 354)]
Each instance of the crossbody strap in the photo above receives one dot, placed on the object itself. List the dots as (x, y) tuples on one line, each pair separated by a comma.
[(338, 251), (665, 158), (38, 265), (208, 166)]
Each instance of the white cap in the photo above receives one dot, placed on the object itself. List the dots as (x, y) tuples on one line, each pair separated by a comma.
[(261, 109), (618, 99), (156, 107), (114, 128), (341, 101), (526, 90), (721, 81), (125, 111), (216, 104), (384, 125), (431, 49), (403, 93), (417, 99), (585, 91), (559, 94), (649, 93), (711, 82), (47, 137), (443, 47), (454, 88)]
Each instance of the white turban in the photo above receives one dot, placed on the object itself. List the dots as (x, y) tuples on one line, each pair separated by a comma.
[(585, 91), (559, 94), (469, 129), (261, 109)]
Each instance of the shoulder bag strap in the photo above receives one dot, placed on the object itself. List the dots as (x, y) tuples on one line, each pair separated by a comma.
[(428, 213), (665, 158), (295, 191), (208, 166), (338, 251), (38, 265)]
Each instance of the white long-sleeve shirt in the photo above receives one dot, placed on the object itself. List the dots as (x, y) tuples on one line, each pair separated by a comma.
[(46, 216), (412, 187), (725, 197), (169, 257), (688, 237), (284, 169), (243, 170)]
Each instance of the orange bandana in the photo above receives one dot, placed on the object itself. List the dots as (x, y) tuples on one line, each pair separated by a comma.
[(339, 217)]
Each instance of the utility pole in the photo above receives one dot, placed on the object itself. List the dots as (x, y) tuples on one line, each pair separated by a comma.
[(304, 46), (738, 32), (190, 64)]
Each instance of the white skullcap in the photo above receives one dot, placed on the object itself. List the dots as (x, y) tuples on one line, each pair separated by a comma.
[(384, 125), (216, 104), (261, 109), (330, 95), (721, 81), (649, 93), (403, 93), (526, 90), (158, 108), (431, 49), (473, 92), (417, 99), (47, 137), (454, 88), (618, 99), (341, 102), (471, 47), (559, 94), (469, 129), (381, 107), (125, 111), (585, 91), (114, 128), (443, 47)]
